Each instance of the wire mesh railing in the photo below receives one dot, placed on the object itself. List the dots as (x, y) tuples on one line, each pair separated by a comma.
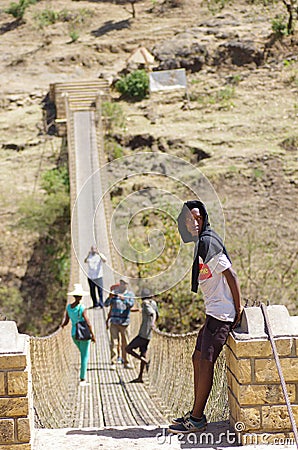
[(171, 377), (54, 365)]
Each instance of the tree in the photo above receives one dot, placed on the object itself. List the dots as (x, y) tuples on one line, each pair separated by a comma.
[(132, 3), (292, 9)]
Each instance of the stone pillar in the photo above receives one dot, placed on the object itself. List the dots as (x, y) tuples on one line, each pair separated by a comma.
[(258, 409), (257, 406), (16, 400)]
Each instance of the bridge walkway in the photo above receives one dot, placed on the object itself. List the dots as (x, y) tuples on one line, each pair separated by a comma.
[(110, 399)]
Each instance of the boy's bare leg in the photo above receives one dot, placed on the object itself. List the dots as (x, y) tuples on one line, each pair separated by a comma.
[(196, 371), (143, 360), (203, 380), (133, 353), (142, 367)]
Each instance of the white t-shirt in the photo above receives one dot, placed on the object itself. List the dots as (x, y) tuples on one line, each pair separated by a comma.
[(216, 291), (95, 269)]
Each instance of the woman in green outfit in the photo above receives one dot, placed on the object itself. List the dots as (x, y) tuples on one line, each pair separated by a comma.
[(75, 312)]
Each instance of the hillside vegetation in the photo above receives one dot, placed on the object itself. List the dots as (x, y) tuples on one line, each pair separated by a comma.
[(237, 124)]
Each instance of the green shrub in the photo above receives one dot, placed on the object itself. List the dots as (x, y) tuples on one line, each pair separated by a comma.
[(235, 80), (279, 26), (113, 116), (75, 19), (47, 215), (215, 6), (221, 98), (257, 173), (17, 10), (113, 149), (287, 63), (55, 180), (39, 214), (78, 17), (74, 35), (47, 17), (226, 93), (134, 85), (180, 311), (10, 303)]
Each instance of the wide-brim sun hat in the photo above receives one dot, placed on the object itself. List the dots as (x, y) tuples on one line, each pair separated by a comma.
[(78, 291)]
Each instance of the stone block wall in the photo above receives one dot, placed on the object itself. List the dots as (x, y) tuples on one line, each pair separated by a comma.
[(16, 410), (257, 406)]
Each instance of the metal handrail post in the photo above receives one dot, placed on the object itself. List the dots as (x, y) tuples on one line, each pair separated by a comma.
[(279, 369)]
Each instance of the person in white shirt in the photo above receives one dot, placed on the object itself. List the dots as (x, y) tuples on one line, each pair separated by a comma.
[(94, 260), (212, 271)]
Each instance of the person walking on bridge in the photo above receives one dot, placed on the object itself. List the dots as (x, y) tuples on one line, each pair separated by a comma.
[(94, 259), (212, 271), (141, 341), (75, 312), (121, 301)]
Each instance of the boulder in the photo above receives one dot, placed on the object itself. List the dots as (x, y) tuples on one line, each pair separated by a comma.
[(183, 51), (238, 53)]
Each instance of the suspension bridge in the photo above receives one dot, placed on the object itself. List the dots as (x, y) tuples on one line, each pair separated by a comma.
[(108, 400), (42, 404)]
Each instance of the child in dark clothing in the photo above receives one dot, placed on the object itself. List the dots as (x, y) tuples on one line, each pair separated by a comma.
[(141, 341)]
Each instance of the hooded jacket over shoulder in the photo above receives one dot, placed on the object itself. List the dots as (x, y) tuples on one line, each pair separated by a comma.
[(207, 244)]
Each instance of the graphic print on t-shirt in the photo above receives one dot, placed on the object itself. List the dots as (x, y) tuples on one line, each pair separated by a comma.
[(205, 272)]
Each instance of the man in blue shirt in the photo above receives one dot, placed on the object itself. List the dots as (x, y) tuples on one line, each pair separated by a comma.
[(121, 300)]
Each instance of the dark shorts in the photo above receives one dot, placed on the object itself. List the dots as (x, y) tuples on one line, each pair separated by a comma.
[(139, 342), (212, 337)]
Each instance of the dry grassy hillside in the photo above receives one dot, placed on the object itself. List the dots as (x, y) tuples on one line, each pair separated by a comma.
[(242, 114)]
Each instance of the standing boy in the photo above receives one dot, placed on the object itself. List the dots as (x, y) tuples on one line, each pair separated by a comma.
[(212, 271)]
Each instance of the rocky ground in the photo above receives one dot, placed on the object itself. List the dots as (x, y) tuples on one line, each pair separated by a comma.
[(241, 115)]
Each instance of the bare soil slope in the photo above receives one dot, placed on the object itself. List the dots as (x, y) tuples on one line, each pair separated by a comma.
[(243, 113)]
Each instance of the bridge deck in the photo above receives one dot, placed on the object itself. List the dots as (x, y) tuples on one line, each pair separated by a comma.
[(109, 399)]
